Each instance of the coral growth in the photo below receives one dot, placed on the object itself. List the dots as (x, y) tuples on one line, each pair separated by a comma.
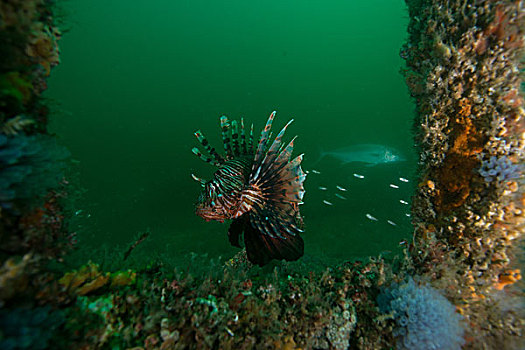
[(229, 308)]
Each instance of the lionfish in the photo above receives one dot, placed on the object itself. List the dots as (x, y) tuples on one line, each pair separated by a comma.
[(260, 190)]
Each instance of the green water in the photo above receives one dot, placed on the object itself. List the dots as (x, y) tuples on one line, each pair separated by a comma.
[(138, 78)]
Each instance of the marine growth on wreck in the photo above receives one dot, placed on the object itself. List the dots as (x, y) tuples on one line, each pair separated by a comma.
[(459, 276)]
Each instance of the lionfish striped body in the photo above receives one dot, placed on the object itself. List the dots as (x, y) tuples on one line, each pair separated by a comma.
[(260, 190)]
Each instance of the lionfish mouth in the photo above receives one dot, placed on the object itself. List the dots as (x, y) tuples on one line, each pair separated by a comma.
[(259, 188), (208, 214)]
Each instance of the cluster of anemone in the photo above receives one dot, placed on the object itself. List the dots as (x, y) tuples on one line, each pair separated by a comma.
[(500, 169), (424, 318)]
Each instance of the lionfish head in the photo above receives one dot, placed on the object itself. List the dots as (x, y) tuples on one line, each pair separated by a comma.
[(208, 206)]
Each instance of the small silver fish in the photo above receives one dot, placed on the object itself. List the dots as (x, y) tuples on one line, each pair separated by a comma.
[(391, 223), (407, 214), (327, 202), (316, 171), (359, 176), (322, 188), (341, 188), (371, 217), (340, 196), (403, 179), (394, 186), (402, 201)]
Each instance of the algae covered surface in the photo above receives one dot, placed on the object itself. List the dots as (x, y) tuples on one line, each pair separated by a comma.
[(410, 116)]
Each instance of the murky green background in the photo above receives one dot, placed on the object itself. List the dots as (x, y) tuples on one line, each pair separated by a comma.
[(137, 78)]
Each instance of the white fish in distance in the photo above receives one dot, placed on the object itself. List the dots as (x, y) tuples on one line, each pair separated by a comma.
[(369, 154), (403, 179), (327, 202), (391, 223), (341, 188), (359, 176), (403, 202), (316, 171), (322, 188), (394, 186), (371, 217), (340, 196)]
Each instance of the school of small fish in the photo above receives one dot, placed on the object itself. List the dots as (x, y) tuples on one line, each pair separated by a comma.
[(371, 217), (343, 189)]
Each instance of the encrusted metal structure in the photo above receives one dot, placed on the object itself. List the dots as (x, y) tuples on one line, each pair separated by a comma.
[(464, 65)]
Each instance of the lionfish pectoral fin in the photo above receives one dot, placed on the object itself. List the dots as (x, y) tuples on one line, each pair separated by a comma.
[(234, 232)]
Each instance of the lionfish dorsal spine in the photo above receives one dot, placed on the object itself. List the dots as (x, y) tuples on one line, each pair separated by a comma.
[(283, 159), (204, 157), (285, 155), (243, 138), (225, 126), (265, 134), (272, 154), (235, 138), (250, 144), (204, 142)]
